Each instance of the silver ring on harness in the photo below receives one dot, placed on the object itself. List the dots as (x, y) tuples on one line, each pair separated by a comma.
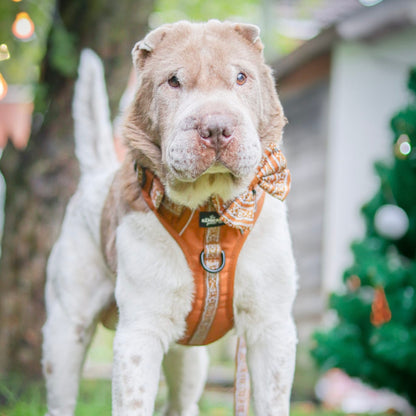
[(207, 269)]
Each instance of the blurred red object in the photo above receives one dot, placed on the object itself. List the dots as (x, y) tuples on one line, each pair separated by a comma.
[(15, 123), (16, 117)]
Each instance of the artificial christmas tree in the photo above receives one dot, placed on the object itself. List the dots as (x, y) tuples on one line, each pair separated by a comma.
[(375, 335)]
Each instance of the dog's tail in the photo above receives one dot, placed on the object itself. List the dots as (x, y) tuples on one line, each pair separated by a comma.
[(94, 145)]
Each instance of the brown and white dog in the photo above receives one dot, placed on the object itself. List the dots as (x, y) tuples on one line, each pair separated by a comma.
[(204, 111)]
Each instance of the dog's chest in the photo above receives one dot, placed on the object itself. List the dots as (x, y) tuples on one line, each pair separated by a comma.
[(211, 250)]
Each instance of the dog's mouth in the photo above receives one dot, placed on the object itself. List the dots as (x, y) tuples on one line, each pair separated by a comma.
[(188, 159), (215, 170), (215, 180), (217, 167)]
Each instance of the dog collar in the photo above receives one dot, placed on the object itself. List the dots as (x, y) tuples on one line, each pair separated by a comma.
[(272, 176)]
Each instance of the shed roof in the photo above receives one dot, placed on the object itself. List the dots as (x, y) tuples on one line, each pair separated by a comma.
[(348, 20)]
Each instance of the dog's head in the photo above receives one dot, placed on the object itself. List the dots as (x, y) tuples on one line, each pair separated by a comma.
[(204, 110)]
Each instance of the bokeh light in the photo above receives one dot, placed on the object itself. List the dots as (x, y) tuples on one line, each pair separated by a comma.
[(23, 27)]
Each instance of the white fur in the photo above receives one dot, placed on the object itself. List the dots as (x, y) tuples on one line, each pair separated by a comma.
[(78, 286), (154, 290), (265, 289), (93, 132)]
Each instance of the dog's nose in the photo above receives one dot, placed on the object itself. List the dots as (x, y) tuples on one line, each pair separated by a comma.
[(216, 130)]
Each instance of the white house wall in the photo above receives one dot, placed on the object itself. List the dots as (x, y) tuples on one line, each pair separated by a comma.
[(367, 87)]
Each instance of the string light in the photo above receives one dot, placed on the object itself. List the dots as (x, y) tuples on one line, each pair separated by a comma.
[(403, 147), (3, 87), (23, 27), (4, 52)]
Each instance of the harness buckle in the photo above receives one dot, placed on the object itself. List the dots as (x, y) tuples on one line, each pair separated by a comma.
[(206, 268)]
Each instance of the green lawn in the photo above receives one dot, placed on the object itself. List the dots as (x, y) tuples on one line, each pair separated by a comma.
[(20, 398), (17, 399)]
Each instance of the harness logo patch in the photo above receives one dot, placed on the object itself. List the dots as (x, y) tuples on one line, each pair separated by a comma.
[(209, 219)]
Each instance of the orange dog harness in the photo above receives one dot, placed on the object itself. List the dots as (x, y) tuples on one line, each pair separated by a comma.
[(211, 239), (211, 249)]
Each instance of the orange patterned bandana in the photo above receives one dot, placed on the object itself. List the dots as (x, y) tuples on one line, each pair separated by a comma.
[(271, 176)]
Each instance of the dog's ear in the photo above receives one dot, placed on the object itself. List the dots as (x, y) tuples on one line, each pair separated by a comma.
[(250, 33), (146, 46)]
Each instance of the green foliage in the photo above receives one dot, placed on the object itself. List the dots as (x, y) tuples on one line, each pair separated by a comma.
[(22, 67), (381, 354), (63, 52), (412, 81), (18, 398), (249, 11), (168, 11)]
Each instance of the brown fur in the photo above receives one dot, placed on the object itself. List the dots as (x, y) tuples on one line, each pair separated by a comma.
[(124, 196)]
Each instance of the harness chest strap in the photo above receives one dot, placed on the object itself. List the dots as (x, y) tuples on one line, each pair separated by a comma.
[(211, 253)]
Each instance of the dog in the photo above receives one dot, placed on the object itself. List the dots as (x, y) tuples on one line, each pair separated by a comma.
[(204, 114)]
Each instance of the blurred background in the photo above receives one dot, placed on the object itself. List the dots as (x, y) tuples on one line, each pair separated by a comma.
[(344, 72)]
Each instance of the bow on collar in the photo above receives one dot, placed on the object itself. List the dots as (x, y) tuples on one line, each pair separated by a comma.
[(271, 176)]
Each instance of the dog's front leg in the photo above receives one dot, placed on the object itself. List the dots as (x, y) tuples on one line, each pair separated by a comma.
[(153, 293), (264, 318), (271, 361), (264, 291), (137, 360)]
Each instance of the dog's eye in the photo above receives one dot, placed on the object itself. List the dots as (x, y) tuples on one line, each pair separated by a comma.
[(241, 78), (174, 82)]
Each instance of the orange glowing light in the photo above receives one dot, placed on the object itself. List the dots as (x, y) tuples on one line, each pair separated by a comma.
[(3, 87), (23, 27)]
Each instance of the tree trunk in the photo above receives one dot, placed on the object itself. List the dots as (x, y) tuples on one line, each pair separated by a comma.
[(41, 179)]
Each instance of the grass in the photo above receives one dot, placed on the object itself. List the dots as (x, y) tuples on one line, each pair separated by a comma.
[(18, 399)]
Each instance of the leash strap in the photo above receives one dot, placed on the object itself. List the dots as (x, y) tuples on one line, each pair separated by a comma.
[(242, 380)]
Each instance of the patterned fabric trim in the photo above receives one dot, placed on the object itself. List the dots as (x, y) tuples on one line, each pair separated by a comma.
[(242, 380), (212, 251)]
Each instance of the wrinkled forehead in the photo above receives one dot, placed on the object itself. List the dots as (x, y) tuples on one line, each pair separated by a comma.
[(203, 48)]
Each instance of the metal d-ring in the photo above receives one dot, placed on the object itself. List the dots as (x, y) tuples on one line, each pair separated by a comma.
[(207, 269)]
